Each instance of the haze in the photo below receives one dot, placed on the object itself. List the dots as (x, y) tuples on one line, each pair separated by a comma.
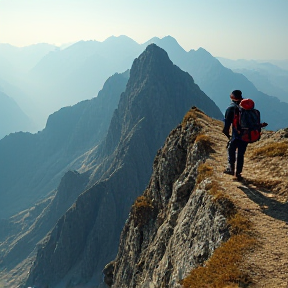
[(232, 29)]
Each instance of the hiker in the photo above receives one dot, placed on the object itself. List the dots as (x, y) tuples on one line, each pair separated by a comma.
[(236, 142)]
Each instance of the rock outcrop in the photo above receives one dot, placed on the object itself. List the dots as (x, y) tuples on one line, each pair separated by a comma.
[(175, 225)]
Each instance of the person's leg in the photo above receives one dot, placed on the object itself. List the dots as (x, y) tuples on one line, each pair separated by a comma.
[(240, 156), (231, 150)]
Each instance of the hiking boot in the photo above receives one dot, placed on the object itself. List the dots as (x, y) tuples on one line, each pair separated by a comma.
[(229, 170), (239, 176)]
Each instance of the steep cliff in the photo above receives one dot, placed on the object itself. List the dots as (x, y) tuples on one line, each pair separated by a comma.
[(196, 227), (157, 96), (175, 225)]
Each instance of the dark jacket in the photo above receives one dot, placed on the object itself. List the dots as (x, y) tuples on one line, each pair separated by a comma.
[(229, 116)]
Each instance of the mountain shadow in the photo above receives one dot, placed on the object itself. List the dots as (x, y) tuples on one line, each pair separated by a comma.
[(157, 96)]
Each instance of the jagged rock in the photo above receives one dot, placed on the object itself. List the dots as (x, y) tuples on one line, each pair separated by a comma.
[(185, 228)]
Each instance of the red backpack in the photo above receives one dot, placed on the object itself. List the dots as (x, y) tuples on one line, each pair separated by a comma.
[(247, 121)]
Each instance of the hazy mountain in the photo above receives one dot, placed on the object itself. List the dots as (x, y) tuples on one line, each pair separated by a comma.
[(283, 64), (12, 118), (218, 82), (16, 60), (65, 77), (31, 165), (157, 96), (267, 77)]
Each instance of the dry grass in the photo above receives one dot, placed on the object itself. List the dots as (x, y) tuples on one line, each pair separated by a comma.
[(271, 150), (239, 224), (193, 115), (189, 116), (222, 269), (204, 171), (141, 210), (205, 141), (142, 201)]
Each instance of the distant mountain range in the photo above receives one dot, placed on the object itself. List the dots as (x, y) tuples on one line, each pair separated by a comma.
[(12, 118), (65, 77), (266, 77)]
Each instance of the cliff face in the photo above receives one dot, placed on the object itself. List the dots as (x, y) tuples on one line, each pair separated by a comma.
[(199, 227), (157, 96), (175, 225)]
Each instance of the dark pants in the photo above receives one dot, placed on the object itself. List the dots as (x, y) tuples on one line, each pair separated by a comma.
[(240, 146)]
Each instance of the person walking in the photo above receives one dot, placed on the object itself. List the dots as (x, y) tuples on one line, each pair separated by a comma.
[(235, 143), (242, 135)]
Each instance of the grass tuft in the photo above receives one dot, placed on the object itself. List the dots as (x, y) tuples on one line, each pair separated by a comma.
[(141, 210), (271, 150), (204, 171), (222, 270), (205, 142), (192, 115)]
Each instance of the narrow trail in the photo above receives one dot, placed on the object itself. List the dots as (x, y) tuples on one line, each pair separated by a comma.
[(267, 264)]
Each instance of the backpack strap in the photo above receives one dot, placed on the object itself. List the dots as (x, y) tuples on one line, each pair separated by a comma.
[(236, 120)]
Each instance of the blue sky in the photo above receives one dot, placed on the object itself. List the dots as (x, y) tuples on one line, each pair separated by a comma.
[(226, 28)]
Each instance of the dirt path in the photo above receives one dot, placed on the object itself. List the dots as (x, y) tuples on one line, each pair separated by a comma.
[(268, 263)]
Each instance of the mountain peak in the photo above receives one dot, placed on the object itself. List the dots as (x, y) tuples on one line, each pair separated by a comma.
[(121, 38), (203, 52), (153, 58)]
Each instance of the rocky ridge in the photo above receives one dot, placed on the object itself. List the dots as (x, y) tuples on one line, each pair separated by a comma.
[(177, 224), (173, 227)]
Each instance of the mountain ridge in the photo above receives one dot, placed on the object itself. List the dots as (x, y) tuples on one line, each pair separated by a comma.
[(81, 69), (174, 231), (125, 174)]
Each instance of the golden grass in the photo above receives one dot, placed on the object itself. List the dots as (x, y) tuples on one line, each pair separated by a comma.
[(204, 171), (142, 209), (222, 269), (189, 116), (205, 141), (192, 115), (271, 150)]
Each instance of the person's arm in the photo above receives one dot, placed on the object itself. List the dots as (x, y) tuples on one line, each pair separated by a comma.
[(229, 116)]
